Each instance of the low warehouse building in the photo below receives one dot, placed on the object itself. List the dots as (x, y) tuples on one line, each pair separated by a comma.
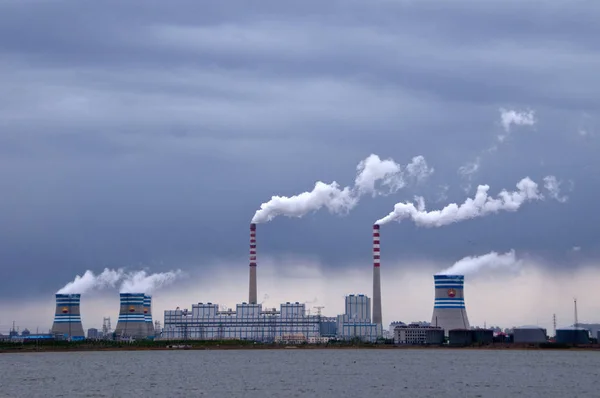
[(572, 336), (415, 334), (529, 335)]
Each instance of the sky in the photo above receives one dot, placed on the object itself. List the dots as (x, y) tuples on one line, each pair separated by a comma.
[(146, 136)]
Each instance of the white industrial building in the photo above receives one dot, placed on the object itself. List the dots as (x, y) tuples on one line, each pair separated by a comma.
[(289, 324), (415, 334)]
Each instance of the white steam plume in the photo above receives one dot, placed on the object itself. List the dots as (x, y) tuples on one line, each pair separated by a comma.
[(374, 176), (552, 185), (141, 282), (89, 281), (470, 265), (481, 205)]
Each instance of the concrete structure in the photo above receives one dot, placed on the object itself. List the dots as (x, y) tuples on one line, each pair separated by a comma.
[(573, 335), (377, 316), (148, 316), (418, 335), (67, 317), (460, 337), (132, 321), (393, 326), (449, 310), (93, 334), (483, 336), (252, 286), (529, 335), (248, 322), (356, 323)]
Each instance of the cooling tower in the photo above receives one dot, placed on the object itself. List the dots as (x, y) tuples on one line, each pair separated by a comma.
[(148, 316), (449, 307), (132, 320), (377, 318), (67, 318), (252, 291)]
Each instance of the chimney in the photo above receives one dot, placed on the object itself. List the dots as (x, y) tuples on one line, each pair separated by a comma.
[(67, 318), (377, 318), (449, 310), (252, 296)]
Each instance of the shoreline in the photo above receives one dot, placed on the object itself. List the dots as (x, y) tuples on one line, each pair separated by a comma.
[(199, 347)]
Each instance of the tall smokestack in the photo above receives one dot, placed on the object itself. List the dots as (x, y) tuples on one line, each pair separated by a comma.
[(132, 321), (449, 310), (377, 318), (67, 318), (252, 296)]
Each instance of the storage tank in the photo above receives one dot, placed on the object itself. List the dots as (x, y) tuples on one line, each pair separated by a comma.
[(529, 335), (483, 336), (572, 336)]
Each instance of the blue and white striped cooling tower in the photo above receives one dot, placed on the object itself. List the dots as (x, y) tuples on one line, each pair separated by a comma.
[(67, 317), (449, 310)]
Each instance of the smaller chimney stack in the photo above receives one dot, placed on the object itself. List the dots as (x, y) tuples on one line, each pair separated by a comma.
[(252, 293), (377, 317)]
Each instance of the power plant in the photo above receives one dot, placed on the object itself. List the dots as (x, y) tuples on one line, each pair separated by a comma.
[(132, 320), (148, 316), (67, 317), (377, 318), (449, 310), (252, 290)]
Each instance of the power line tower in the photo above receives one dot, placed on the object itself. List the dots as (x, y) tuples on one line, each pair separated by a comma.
[(576, 320)]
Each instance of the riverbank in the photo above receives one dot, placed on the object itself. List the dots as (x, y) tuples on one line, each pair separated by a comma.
[(31, 347)]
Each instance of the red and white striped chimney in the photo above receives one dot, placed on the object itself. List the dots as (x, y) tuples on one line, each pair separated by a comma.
[(377, 318), (252, 292)]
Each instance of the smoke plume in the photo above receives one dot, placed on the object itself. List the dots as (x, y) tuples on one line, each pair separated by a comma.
[(141, 282), (481, 205), (89, 281), (374, 176), (470, 265)]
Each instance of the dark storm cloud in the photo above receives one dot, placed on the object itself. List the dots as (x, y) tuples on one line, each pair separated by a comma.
[(149, 133)]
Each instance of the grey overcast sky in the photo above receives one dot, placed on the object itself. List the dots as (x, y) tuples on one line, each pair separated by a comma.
[(147, 133)]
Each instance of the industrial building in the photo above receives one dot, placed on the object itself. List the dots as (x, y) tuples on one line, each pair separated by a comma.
[(416, 334), (67, 317), (449, 310), (529, 335), (288, 324), (132, 319), (573, 336)]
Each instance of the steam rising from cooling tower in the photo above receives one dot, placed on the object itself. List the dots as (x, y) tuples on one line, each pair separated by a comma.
[(89, 281), (492, 261), (142, 282), (481, 205), (374, 176)]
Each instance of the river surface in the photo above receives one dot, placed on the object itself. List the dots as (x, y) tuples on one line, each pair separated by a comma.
[(302, 373)]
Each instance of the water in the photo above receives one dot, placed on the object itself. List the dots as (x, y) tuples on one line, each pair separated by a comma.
[(302, 373)]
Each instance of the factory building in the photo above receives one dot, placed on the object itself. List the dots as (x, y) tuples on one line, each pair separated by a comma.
[(132, 320), (415, 334), (67, 317), (529, 335), (573, 336), (449, 310), (248, 322), (356, 322)]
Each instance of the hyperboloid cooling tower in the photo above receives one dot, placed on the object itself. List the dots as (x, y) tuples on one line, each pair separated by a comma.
[(252, 290), (67, 318), (132, 320), (449, 307), (148, 316), (377, 318)]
